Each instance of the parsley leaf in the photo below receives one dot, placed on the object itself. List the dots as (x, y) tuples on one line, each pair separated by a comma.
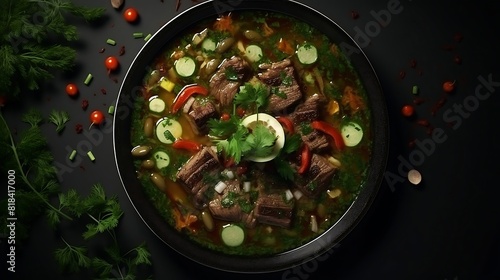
[(252, 96), (59, 118), (261, 141), (223, 129)]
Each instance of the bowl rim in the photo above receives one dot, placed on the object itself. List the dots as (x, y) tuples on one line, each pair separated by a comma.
[(178, 241)]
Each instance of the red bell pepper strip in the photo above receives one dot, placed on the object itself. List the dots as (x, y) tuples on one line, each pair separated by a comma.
[(184, 144), (305, 159), (184, 95), (287, 124), (330, 130)]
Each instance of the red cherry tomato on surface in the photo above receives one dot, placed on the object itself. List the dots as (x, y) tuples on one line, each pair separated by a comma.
[(130, 14), (71, 89), (448, 86), (96, 117), (407, 110), (111, 63)]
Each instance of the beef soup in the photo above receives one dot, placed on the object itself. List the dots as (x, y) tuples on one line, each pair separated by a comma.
[(252, 135)]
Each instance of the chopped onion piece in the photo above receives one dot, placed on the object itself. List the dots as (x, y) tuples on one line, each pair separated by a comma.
[(246, 186), (188, 105), (220, 186), (288, 195), (228, 173), (314, 224), (334, 161), (334, 193), (297, 194)]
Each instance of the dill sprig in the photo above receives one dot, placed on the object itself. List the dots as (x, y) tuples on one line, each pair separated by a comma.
[(28, 54)]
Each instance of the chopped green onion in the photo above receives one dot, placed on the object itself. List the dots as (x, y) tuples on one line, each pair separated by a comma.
[(91, 155), (138, 35), (414, 90), (72, 155), (111, 110), (88, 79), (111, 42), (147, 37)]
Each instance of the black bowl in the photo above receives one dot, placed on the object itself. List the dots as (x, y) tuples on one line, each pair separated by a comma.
[(179, 242)]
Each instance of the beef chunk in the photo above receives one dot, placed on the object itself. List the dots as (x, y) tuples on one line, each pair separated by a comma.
[(225, 206), (200, 112), (308, 111), (190, 175), (317, 141), (285, 91), (225, 83), (272, 209), (318, 178)]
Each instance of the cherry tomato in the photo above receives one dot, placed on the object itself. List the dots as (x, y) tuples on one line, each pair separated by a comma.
[(96, 117), (407, 110), (130, 15), (71, 89), (448, 86), (111, 63)]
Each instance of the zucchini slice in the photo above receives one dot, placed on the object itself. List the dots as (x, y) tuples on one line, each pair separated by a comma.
[(185, 66), (307, 54)]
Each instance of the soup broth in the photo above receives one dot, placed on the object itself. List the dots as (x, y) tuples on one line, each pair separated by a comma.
[(253, 133)]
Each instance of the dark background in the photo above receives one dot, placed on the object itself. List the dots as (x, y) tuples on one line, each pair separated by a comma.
[(448, 227)]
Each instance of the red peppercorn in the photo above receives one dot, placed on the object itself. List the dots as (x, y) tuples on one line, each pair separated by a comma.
[(85, 104)]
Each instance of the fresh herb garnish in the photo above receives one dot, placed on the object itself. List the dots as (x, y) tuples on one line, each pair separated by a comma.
[(237, 141), (169, 135), (283, 167), (59, 118), (36, 186), (26, 34), (102, 214), (252, 96), (231, 74), (261, 141)]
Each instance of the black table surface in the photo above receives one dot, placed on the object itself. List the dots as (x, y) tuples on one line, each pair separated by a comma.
[(448, 227)]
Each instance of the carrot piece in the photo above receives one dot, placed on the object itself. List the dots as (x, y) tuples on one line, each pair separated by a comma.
[(285, 46)]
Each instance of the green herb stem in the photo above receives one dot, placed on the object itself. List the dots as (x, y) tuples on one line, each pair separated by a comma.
[(24, 175)]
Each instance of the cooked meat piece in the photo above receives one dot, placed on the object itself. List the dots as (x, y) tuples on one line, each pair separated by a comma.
[(285, 91), (230, 214), (309, 110), (225, 206), (192, 172), (201, 111), (317, 141), (200, 198), (271, 209), (224, 88), (318, 178)]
